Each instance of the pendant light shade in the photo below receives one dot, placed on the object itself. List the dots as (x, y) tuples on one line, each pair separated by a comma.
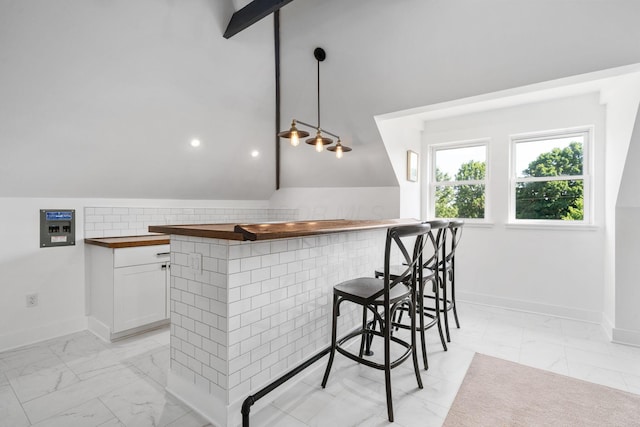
[(319, 141), (339, 149), (294, 134)]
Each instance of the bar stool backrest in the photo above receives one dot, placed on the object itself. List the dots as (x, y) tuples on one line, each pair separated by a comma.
[(455, 233), (411, 261), (436, 240)]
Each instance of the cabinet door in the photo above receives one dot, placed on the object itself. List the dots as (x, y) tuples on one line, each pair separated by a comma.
[(139, 295)]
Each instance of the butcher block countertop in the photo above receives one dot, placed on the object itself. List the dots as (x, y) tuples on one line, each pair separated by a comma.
[(128, 241), (278, 230)]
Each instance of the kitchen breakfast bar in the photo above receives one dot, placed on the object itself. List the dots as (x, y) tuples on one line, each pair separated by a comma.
[(250, 302)]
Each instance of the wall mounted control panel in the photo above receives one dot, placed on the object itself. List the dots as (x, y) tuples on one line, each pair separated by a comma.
[(57, 227)]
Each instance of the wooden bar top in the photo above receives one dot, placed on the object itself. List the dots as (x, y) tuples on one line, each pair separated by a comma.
[(128, 241), (276, 230)]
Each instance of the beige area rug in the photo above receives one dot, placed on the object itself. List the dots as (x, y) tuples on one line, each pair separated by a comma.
[(497, 392)]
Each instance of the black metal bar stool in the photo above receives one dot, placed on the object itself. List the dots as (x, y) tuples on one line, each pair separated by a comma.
[(429, 315), (382, 297)]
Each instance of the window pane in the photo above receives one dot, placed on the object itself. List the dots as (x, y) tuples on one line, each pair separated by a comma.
[(549, 157), (460, 164), (460, 201), (561, 200)]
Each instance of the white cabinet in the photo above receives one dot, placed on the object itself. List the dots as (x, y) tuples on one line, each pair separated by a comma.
[(128, 288), (139, 296)]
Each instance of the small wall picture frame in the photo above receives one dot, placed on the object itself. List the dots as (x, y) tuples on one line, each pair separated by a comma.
[(412, 166)]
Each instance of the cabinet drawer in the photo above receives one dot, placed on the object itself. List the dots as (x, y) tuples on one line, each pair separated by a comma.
[(123, 257)]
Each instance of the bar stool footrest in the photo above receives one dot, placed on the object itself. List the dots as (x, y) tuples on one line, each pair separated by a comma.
[(370, 363)]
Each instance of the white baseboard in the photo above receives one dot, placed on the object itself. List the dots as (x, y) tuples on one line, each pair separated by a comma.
[(626, 336), (607, 325), (99, 329), (210, 407), (103, 331), (616, 335), (533, 307), (24, 337)]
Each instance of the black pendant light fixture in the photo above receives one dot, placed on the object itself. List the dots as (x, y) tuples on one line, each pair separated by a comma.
[(319, 140)]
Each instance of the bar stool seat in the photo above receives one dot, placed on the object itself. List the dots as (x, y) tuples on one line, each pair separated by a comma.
[(366, 288)]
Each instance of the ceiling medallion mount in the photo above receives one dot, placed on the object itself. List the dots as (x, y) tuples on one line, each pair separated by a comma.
[(320, 54), (319, 141)]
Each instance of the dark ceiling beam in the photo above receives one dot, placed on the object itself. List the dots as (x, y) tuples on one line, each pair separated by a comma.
[(252, 13)]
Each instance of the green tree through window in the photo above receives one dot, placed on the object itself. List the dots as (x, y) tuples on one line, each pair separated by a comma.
[(470, 198), (462, 200), (459, 185), (445, 198), (553, 199)]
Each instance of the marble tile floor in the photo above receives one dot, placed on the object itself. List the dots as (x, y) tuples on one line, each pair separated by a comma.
[(78, 380)]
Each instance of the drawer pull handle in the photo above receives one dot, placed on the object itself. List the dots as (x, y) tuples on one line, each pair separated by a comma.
[(164, 266), (163, 253)]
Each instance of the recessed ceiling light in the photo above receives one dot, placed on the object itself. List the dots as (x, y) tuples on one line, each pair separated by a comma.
[(255, 153), (195, 142)]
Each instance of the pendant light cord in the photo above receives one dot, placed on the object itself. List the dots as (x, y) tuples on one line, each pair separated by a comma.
[(318, 61)]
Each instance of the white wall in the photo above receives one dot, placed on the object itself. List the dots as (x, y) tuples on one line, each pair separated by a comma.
[(55, 274), (627, 249), (558, 272), (339, 203), (621, 99), (626, 326), (399, 136)]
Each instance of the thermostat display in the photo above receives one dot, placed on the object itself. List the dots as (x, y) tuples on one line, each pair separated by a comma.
[(59, 215)]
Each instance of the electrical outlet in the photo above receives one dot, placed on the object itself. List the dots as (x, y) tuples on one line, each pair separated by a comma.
[(195, 262), (32, 300)]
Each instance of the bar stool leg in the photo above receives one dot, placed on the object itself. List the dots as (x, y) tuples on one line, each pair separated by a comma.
[(334, 325), (414, 349), (453, 292), (422, 331), (367, 351), (387, 361), (364, 339), (444, 300), (438, 321), (367, 338)]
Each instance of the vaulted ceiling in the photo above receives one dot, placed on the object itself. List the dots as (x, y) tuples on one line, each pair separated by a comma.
[(101, 99)]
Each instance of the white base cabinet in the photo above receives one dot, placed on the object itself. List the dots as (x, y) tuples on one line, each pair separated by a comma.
[(128, 288), (139, 296)]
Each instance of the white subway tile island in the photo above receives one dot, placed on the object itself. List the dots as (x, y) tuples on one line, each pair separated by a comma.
[(243, 313)]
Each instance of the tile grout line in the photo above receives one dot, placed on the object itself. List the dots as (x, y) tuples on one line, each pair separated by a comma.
[(110, 411), (19, 402)]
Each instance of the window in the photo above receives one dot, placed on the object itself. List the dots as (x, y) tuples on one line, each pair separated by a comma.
[(458, 180), (550, 177)]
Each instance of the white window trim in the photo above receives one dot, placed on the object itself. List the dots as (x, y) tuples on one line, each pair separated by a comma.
[(586, 177), (480, 142)]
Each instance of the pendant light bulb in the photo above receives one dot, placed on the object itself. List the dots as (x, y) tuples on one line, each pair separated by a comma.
[(319, 142), (295, 138), (339, 151)]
